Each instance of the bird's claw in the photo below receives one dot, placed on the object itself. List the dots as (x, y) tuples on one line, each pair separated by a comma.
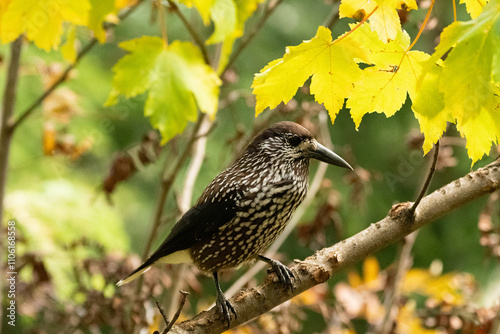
[(224, 307), (285, 274)]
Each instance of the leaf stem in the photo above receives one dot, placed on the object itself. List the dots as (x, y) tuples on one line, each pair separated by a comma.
[(163, 25), (194, 34), (246, 41), (357, 26), (454, 10), (426, 20), (167, 181)]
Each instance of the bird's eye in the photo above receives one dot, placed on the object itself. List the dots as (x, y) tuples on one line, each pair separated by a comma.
[(294, 140)]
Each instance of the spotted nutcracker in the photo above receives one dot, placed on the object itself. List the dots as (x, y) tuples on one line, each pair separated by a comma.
[(245, 208)]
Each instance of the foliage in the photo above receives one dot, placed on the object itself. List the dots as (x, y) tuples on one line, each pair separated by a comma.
[(333, 64), (175, 75), (394, 71)]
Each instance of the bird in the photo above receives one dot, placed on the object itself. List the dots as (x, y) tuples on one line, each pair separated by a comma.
[(242, 211)]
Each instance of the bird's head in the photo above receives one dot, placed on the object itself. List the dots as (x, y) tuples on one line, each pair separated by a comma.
[(291, 141)]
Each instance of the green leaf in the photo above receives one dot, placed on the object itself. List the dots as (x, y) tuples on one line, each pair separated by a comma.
[(384, 86), (176, 77), (470, 78), (428, 108)]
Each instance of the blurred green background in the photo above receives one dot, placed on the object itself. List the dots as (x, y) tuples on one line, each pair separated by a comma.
[(56, 201)]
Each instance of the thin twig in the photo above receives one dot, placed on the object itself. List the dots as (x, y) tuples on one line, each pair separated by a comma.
[(244, 43), (5, 131), (332, 18), (194, 34), (9, 101), (13, 124), (167, 181), (432, 169), (163, 25), (163, 314), (55, 85), (182, 301), (169, 324), (393, 295)]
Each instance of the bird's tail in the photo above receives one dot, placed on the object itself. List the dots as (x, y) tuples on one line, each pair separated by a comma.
[(135, 274)]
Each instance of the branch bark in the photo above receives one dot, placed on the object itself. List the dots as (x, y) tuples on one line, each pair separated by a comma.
[(318, 268), (9, 101)]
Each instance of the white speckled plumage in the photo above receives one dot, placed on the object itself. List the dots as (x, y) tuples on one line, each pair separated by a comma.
[(245, 207)]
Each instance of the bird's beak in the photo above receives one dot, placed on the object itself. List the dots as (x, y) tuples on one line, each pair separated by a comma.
[(321, 153)]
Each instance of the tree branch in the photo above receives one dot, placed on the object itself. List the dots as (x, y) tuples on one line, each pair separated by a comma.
[(9, 101), (404, 261), (194, 34), (318, 268), (249, 37)]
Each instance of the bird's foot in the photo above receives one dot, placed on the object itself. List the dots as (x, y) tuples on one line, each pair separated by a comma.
[(225, 308), (285, 274)]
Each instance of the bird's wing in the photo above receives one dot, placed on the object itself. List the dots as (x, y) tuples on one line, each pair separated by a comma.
[(205, 218), (199, 223)]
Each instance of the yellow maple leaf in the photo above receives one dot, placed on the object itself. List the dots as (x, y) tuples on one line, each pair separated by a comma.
[(474, 7), (450, 287), (384, 86), (385, 19), (428, 107), (371, 271), (41, 21), (203, 7), (330, 63), (120, 4), (3, 7), (468, 82), (97, 15), (408, 320), (480, 130)]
